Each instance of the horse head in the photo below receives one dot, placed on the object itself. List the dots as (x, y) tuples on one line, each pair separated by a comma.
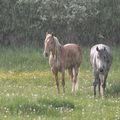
[(49, 45), (101, 59)]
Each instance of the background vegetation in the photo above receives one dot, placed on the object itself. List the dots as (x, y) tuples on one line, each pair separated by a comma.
[(25, 22), (28, 90)]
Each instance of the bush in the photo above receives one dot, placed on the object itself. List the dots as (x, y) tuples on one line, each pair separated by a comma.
[(25, 22)]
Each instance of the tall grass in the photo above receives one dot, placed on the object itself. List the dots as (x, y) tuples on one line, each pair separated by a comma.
[(28, 90), (22, 59)]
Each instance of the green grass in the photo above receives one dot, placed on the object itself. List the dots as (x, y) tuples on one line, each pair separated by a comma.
[(28, 90)]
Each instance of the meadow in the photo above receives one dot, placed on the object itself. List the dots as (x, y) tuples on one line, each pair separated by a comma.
[(28, 90)]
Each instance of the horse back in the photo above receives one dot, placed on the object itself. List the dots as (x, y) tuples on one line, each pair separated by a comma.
[(72, 55)]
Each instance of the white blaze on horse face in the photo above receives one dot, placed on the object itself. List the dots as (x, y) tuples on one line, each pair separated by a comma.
[(101, 64), (46, 46), (49, 45)]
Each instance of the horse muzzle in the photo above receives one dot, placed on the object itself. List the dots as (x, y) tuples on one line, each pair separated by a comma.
[(45, 54), (101, 70)]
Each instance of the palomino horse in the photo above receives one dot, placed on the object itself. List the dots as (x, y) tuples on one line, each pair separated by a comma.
[(62, 57), (101, 60)]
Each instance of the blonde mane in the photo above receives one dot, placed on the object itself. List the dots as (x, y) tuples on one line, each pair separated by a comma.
[(57, 50)]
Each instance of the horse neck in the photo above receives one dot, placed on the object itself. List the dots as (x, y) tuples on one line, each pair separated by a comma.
[(58, 51), (57, 55)]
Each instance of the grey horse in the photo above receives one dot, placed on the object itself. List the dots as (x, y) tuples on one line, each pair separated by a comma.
[(101, 60)]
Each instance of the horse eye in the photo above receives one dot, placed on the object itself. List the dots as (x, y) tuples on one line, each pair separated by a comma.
[(98, 57)]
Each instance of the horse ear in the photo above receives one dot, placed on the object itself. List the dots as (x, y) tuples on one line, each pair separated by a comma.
[(97, 48), (52, 34), (104, 48)]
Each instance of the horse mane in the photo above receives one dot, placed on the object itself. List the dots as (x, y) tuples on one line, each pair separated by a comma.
[(57, 41), (57, 50)]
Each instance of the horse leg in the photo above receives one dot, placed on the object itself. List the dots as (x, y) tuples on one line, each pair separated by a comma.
[(94, 89), (104, 83), (63, 80), (55, 72), (71, 77), (75, 82), (101, 89), (101, 85), (95, 82), (73, 85), (70, 73)]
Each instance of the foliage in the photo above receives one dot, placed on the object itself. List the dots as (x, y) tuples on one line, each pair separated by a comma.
[(81, 21), (30, 92)]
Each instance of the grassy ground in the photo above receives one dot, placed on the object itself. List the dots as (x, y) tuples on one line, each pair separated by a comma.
[(28, 91)]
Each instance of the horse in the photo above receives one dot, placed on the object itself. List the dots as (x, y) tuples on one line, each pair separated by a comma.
[(101, 60), (62, 58)]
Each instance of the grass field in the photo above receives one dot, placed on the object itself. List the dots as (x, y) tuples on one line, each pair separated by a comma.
[(28, 90)]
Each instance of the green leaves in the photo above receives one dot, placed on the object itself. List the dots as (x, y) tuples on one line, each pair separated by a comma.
[(80, 20)]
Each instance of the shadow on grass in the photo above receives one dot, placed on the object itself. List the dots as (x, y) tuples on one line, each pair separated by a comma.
[(114, 89), (41, 107)]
